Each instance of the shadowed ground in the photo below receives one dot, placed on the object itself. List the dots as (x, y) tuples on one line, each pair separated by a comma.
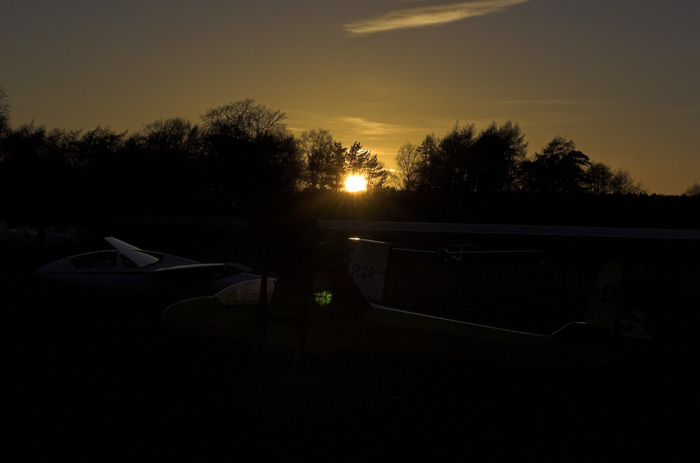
[(98, 379)]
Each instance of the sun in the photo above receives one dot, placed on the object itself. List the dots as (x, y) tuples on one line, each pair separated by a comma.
[(355, 183)]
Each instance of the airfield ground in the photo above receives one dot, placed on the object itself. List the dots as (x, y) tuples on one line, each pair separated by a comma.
[(99, 380)]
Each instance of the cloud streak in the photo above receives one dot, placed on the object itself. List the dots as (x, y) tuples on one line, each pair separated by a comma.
[(370, 128), (428, 16)]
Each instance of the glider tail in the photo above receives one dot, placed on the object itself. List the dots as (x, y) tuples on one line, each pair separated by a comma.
[(603, 306), (368, 267)]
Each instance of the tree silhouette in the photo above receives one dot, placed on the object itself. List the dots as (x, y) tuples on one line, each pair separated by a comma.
[(244, 119), (453, 161), (4, 111), (97, 149), (599, 178), (242, 159), (693, 190), (359, 161), (252, 152), (36, 171), (622, 183), (558, 169), (408, 167), (495, 158), (375, 173), (603, 180), (325, 159), (101, 172), (176, 135), (169, 155), (463, 161), (284, 160), (427, 171)]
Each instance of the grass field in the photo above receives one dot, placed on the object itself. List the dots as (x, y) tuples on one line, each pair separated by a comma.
[(95, 378)]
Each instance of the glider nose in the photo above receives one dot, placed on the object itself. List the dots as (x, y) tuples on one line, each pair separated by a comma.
[(54, 268)]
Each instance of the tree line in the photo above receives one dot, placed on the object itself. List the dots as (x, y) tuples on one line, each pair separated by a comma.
[(495, 160), (243, 151)]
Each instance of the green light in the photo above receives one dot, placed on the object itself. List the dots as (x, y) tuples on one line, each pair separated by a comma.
[(323, 298)]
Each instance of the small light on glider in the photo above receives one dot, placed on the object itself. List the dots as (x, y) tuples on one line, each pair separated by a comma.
[(323, 298)]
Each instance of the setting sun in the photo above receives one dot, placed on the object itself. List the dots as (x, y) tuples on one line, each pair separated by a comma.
[(354, 183)]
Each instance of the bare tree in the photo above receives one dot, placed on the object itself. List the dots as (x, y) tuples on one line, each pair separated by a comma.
[(599, 177), (4, 110), (622, 183), (244, 119), (176, 135), (408, 166), (693, 190), (602, 180)]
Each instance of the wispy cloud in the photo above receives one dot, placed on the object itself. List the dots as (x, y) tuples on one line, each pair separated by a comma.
[(428, 16), (370, 128), (551, 102)]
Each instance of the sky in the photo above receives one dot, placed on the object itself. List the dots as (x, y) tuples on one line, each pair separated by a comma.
[(618, 77)]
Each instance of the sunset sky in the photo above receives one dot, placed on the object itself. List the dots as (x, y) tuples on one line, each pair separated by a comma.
[(619, 77)]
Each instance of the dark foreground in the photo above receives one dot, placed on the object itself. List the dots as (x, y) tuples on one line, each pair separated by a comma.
[(100, 381)]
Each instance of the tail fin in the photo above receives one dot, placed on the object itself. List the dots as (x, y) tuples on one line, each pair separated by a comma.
[(603, 305), (601, 315), (368, 267)]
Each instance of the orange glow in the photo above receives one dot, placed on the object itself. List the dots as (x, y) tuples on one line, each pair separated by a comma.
[(354, 183)]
